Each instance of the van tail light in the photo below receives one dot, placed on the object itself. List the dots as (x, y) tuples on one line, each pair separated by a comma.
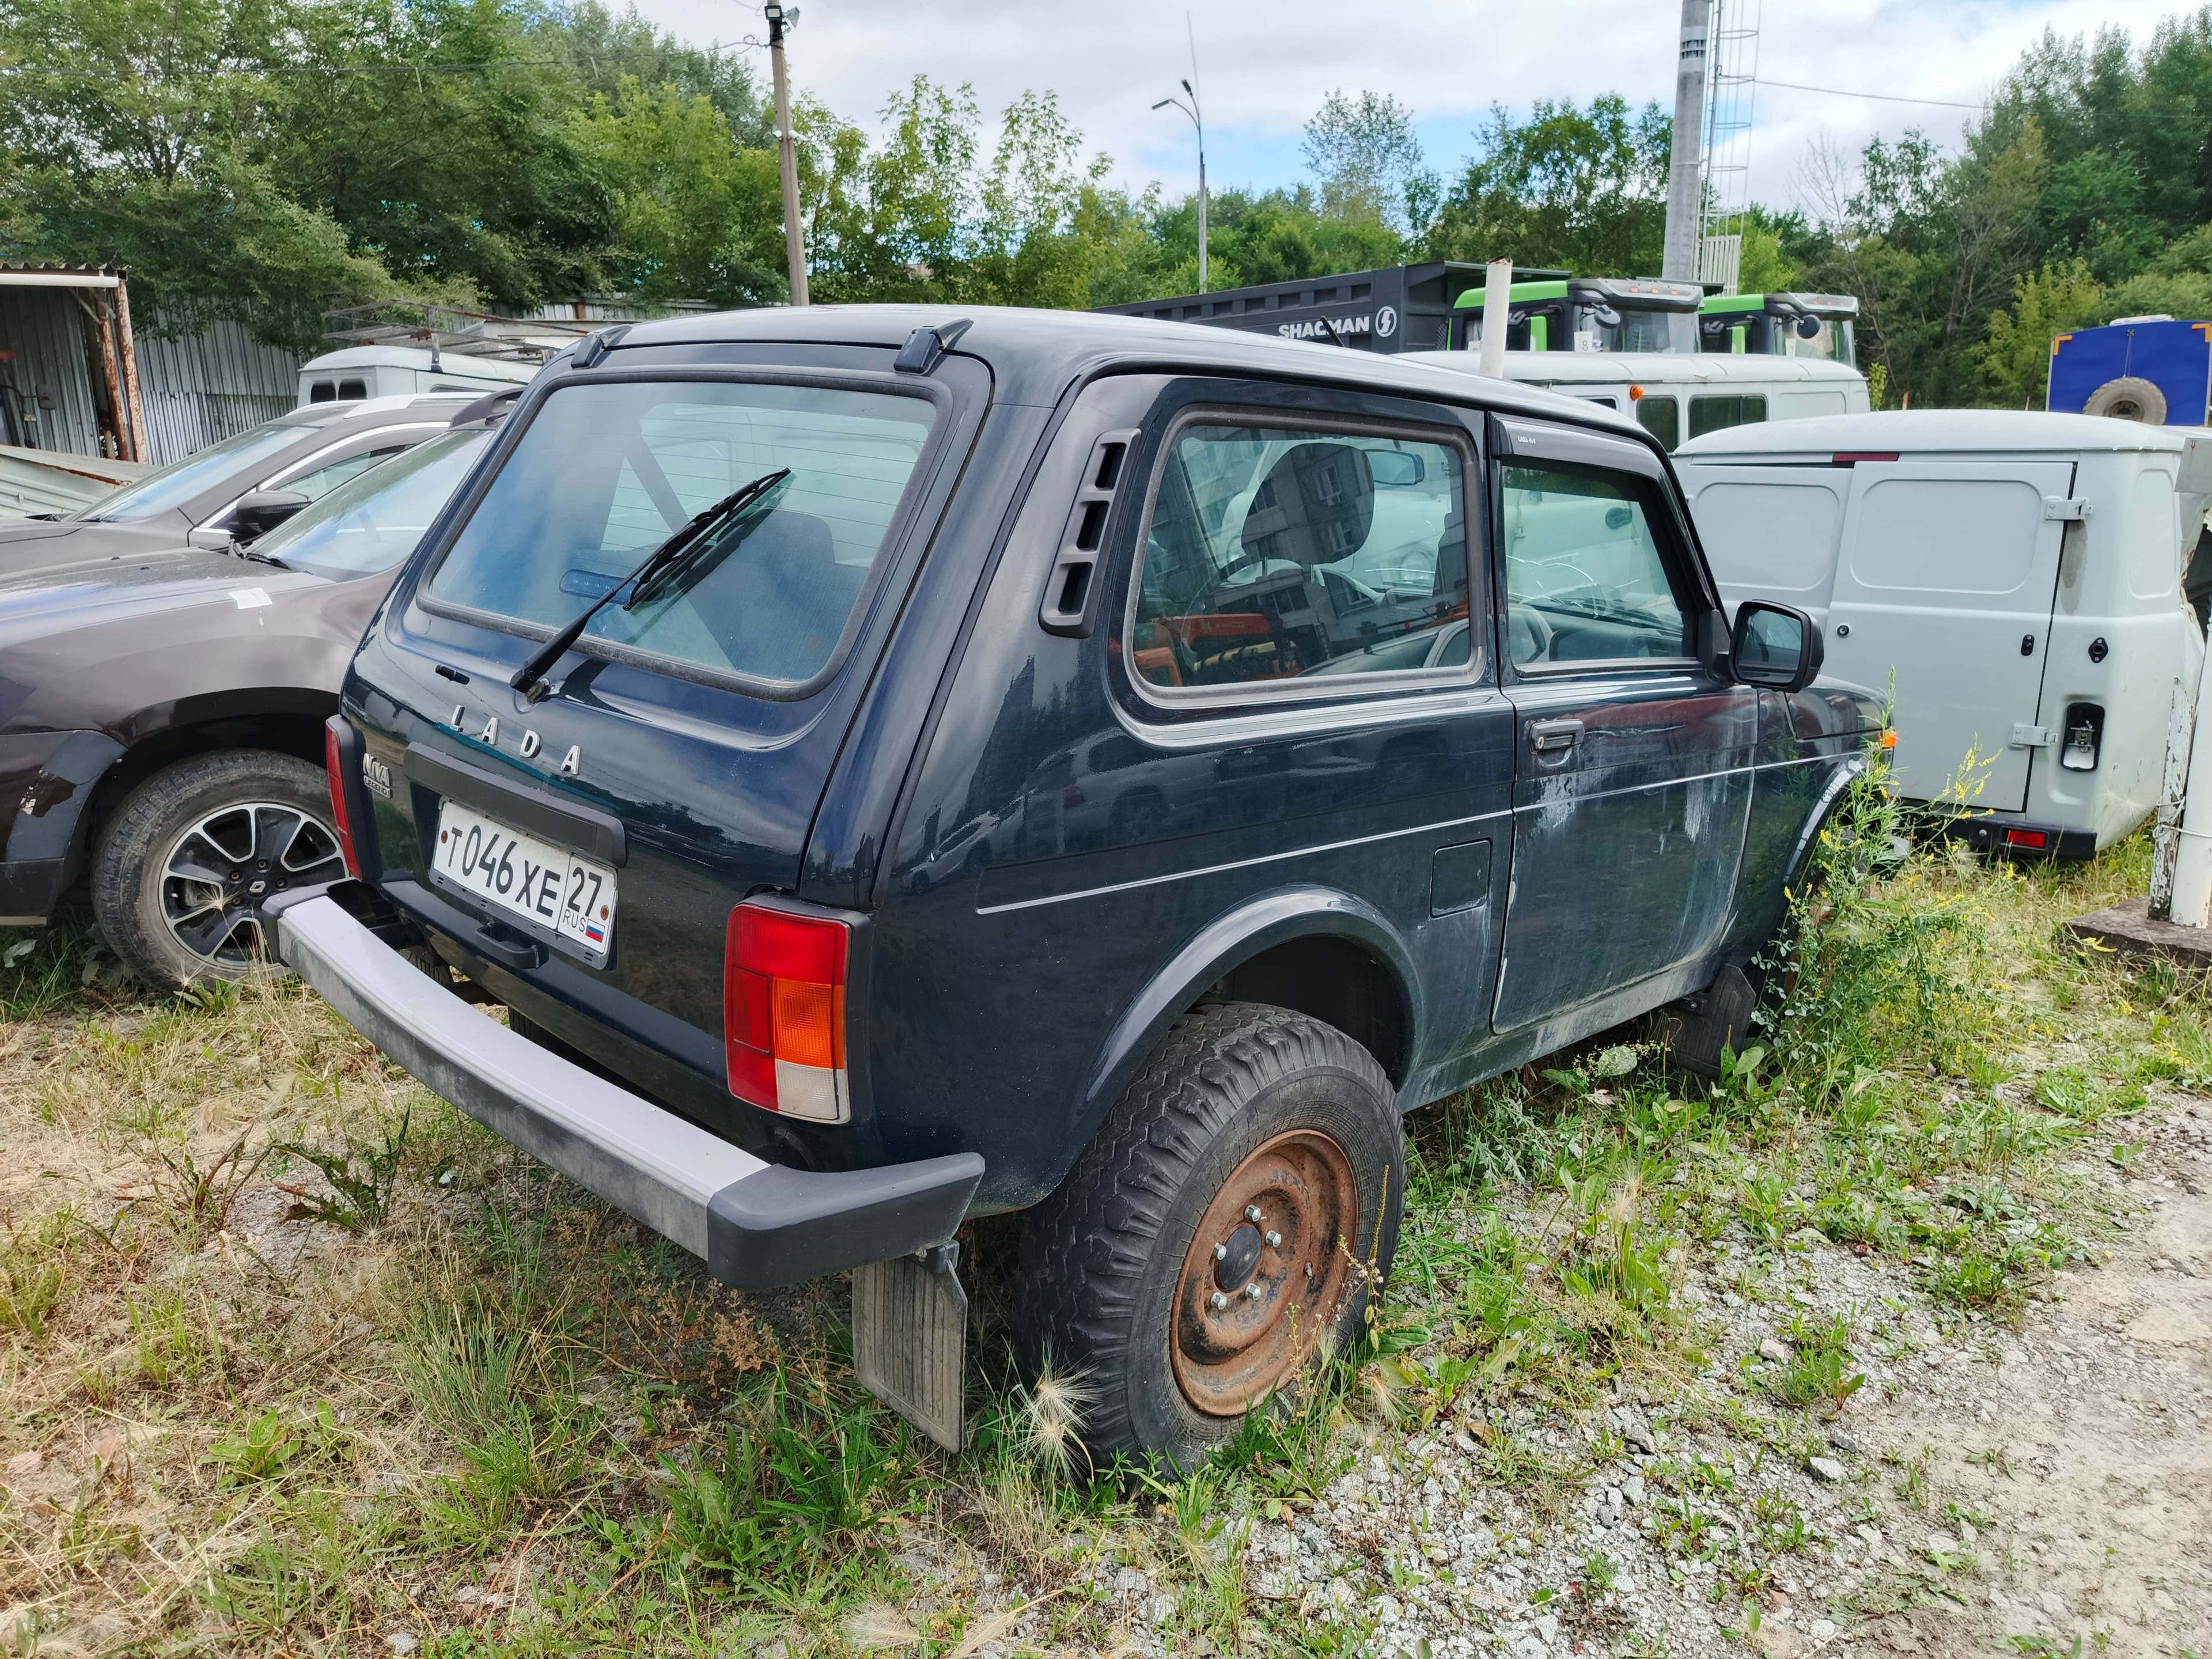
[(334, 764), (783, 1012)]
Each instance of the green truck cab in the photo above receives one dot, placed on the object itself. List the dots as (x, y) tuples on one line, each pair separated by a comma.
[(1588, 314), (1822, 325)]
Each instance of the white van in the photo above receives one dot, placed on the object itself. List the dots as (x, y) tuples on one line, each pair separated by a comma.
[(2018, 573), (384, 371), (1678, 395)]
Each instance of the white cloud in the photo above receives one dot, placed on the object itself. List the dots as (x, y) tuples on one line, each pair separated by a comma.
[(1266, 64)]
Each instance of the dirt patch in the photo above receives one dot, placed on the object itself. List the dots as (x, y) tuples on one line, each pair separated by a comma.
[(2099, 1416)]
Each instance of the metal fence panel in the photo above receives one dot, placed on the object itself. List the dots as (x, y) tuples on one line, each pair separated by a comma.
[(201, 388)]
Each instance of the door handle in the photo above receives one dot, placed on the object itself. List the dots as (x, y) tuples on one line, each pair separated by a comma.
[(1554, 737)]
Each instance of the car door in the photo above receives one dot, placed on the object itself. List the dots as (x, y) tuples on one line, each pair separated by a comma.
[(1276, 709), (1944, 592), (1632, 780)]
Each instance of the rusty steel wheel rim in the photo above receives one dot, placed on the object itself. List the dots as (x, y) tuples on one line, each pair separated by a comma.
[(1266, 1272)]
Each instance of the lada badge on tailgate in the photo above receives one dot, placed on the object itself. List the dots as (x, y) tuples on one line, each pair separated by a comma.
[(572, 764)]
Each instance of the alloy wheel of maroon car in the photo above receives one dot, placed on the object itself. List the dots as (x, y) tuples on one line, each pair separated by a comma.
[(184, 865)]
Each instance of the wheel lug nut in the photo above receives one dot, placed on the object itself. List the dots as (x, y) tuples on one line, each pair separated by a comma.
[(1308, 1270), (1274, 1241), (1252, 1292), (1221, 1253), (1252, 1212), (1219, 1301)]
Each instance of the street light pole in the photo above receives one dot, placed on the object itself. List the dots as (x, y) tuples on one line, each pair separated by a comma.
[(786, 145), (1191, 110)]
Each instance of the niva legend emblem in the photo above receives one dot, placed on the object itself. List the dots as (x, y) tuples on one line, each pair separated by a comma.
[(572, 764)]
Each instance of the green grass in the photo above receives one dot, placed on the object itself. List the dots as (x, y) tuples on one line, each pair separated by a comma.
[(380, 1359)]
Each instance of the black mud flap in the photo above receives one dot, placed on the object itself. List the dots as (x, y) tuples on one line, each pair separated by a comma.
[(1717, 1018), (910, 1339)]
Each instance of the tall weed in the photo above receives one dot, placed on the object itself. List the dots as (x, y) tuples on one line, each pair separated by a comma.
[(1859, 970)]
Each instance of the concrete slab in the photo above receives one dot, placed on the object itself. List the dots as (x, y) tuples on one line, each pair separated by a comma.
[(2127, 928)]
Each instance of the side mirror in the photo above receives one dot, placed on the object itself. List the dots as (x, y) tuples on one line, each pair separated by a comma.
[(1774, 647), (1809, 327), (1395, 469), (261, 511)]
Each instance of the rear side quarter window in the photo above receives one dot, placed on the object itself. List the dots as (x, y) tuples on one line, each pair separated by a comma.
[(1278, 556)]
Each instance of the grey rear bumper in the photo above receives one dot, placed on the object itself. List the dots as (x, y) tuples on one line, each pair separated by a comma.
[(753, 1222)]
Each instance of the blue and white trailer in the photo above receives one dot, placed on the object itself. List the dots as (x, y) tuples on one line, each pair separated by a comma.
[(2153, 369)]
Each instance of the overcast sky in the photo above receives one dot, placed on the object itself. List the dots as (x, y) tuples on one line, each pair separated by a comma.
[(1265, 66)]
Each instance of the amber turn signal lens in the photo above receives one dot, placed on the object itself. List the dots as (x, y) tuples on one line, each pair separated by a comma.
[(806, 1020)]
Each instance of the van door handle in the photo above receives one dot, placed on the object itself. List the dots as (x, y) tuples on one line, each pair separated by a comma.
[(1554, 737)]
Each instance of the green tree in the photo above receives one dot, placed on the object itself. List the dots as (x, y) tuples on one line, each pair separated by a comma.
[(464, 169), (2015, 357), (1584, 189), (1368, 164), (696, 216), (1035, 238), (138, 135)]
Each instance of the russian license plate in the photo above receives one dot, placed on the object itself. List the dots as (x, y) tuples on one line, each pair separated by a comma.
[(554, 892)]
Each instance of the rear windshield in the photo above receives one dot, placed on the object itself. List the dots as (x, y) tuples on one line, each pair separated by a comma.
[(177, 486), (606, 473)]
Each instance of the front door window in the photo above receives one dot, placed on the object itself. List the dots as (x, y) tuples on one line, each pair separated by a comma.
[(1584, 579)]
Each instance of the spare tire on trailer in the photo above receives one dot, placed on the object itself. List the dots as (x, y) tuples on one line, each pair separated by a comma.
[(2128, 397)]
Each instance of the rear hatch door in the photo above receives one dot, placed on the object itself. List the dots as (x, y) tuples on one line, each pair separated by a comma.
[(589, 843)]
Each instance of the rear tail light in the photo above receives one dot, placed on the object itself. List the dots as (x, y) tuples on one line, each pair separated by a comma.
[(783, 1012), (341, 820), (2034, 840)]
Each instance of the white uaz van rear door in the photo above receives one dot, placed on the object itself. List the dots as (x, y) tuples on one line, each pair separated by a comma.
[(1769, 532), (1947, 573)]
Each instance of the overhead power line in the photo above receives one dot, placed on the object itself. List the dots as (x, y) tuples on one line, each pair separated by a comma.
[(1879, 97)]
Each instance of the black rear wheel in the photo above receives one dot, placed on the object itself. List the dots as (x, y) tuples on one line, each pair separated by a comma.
[(1226, 1225)]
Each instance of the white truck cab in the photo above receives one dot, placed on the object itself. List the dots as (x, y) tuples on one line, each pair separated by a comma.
[(1678, 395), (2015, 576), (386, 371)]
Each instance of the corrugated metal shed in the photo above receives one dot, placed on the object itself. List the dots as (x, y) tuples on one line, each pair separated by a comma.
[(202, 388), (48, 381), (32, 481)]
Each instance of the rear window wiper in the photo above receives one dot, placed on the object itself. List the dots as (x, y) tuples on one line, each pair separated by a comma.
[(529, 678)]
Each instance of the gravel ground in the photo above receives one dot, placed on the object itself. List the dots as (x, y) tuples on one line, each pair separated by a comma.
[(1989, 1489)]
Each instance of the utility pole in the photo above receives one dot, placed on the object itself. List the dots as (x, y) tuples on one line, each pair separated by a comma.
[(787, 146), (1685, 181), (1191, 109)]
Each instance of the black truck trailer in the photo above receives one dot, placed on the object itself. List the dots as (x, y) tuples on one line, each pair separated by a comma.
[(1396, 308)]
